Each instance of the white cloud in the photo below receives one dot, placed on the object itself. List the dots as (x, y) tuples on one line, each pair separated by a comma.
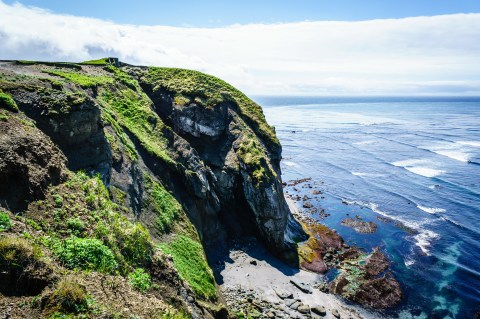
[(422, 55)]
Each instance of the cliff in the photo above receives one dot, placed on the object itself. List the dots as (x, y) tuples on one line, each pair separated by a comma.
[(114, 179)]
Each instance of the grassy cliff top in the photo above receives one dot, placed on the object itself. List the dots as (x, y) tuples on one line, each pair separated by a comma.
[(209, 91)]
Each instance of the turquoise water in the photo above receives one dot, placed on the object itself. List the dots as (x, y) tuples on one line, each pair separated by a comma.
[(415, 161)]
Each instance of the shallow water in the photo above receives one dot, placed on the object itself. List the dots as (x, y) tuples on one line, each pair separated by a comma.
[(413, 160)]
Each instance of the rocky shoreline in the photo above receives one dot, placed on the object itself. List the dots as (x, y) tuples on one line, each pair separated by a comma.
[(255, 284)]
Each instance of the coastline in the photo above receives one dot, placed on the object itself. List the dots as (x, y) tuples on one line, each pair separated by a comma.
[(251, 278)]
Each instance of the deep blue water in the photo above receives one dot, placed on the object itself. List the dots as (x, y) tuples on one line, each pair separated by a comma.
[(413, 160)]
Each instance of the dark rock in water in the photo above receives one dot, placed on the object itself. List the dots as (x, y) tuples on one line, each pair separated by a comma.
[(360, 226), (361, 280), (384, 219), (307, 205), (376, 263)]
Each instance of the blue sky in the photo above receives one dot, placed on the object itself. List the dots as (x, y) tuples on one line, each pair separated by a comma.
[(301, 47), (221, 13)]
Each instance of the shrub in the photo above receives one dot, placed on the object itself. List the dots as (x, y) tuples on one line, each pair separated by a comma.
[(76, 225), (190, 262), (58, 200), (140, 279), (7, 102), (68, 297), (5, 223), (133, 241), (17, 252), (84, 253)]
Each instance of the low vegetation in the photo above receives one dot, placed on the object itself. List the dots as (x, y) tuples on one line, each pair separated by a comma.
[(7, 102), (102, 61), (253, 155), (5, 223), (190, 262), (81, 79), (132, 110), (140, 279), (166, 207), (84, 253)]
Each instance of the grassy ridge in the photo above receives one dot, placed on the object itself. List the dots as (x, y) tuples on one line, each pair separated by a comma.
[(209, 91)]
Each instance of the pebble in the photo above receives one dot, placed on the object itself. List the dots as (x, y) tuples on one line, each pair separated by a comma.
[(303, 309), (335, 313), (319, 310)]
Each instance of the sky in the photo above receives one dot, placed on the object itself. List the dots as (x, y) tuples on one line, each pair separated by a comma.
[(302, 47)]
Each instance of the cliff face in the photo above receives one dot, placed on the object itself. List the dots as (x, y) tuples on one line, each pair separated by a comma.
[(137, 166)]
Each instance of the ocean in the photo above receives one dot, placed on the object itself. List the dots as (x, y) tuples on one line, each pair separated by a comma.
[(411, 166)]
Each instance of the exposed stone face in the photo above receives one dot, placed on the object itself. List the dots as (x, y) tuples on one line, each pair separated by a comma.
[(29, 163), (236, 201), (74, 126)]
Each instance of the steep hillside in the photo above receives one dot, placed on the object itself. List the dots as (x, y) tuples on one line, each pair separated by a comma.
[(114, 179)]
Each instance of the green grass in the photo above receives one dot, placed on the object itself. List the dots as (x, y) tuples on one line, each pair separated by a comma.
[(102, 61), (7, 102), (4, 116), (84, 253), (209, 91), (190, 262), (166, 207), (140, 279), (132, 110), (81, 79), (26, 62), (5, 223), (253, 156), (123, 77)]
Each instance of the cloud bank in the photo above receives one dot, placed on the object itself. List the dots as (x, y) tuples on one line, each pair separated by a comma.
[(411, 56)]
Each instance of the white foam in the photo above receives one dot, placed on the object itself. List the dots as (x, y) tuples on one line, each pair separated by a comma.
[(423, 240), (408, 261), (457, 155), (409, 162), (424, 237), (425, 171), (366, 174), (364, 142), (469, 143), (431, 210), (419, 167), (459, 151)]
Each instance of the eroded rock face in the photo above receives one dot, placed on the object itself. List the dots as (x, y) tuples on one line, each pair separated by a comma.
[(73, 123), (29, 163), (240, 200)]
